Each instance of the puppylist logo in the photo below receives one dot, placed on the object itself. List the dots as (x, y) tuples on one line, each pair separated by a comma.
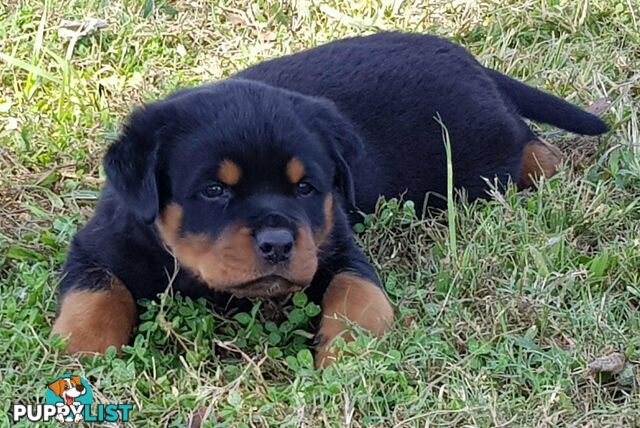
[(69, 398)]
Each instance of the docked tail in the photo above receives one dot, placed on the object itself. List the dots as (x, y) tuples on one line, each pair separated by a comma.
[(542, 107)]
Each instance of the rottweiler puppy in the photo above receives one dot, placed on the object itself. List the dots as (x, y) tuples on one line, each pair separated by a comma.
[(249, 183)]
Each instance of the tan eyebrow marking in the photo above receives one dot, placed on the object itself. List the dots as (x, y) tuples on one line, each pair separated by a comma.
[(229, 172), (295, 170)]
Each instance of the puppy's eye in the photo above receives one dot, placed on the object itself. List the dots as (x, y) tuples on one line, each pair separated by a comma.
[(304, 189), (213, 191)]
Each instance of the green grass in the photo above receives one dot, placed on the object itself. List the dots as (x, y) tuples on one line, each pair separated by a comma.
[(498, 331)]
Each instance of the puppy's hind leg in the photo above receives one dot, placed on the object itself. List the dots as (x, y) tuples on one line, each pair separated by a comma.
[(95, 318), (539, 158)]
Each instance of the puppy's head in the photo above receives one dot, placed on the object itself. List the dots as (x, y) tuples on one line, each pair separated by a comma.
[(243, 181), (68, 388)]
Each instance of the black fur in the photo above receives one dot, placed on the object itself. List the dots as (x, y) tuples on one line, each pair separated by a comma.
[(542, 107), (391, 85), (361, 110)]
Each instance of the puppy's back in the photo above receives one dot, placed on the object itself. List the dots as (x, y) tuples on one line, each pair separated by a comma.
[(392, 86)]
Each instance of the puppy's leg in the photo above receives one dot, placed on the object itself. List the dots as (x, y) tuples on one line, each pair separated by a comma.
[(539, 159), (350, 299), (95, 319)]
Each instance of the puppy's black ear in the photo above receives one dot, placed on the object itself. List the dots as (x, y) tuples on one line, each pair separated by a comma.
[(344, 142), (131, 162)]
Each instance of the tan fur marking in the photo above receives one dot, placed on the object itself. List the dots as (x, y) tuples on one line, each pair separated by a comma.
[(95, 320), (356, 300), (229, 172), (57, 387), (539, 159), (322, 235), (231, 259), (295, 170)]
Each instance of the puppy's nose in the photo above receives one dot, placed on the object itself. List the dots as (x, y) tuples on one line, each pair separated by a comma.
[(274, 244), (80, 388)]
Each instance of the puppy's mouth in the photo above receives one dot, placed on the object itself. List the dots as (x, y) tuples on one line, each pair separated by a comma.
[(266, 286)]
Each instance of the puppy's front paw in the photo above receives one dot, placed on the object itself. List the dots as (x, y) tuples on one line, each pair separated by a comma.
[(350, 299)]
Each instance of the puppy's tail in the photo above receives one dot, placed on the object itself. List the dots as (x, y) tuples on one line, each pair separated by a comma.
[(537, 105)]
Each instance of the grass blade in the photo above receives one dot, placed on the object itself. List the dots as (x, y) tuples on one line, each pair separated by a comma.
[(15, 62)]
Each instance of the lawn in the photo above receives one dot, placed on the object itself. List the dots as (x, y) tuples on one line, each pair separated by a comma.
[(495, 328)]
